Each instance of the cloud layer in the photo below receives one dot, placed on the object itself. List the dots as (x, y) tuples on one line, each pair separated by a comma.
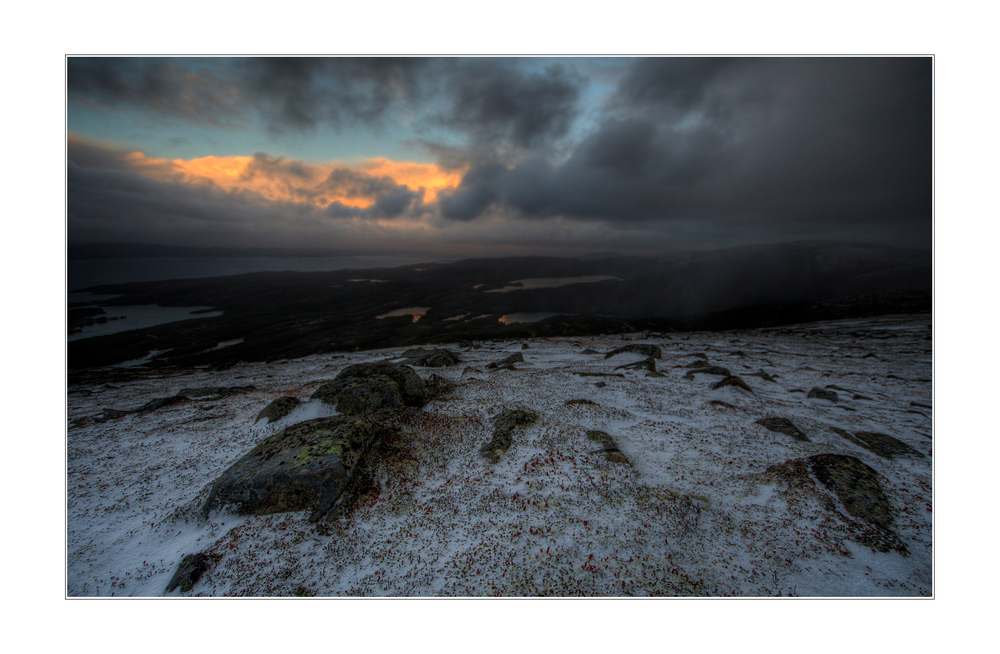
[(652, 151)]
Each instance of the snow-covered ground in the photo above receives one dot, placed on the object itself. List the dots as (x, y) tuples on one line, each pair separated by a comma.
[(692, 513)]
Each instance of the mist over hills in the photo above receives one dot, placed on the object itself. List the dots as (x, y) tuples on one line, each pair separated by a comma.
[(285, 315), (131, 250)]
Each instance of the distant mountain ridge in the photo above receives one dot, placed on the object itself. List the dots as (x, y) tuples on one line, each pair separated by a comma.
[(131, 250)]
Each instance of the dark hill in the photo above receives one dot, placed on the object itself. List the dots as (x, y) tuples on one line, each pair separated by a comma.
[(283, 315)]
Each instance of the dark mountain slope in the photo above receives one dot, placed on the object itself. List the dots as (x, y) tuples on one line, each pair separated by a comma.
[(282, 315)]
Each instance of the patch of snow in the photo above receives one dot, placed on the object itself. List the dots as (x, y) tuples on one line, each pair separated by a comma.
[(694, 514), (222, 344), (141, 360)]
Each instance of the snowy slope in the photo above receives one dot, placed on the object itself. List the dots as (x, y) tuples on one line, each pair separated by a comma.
[(694, 513)]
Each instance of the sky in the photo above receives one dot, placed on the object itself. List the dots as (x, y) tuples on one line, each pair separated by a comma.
[(499, 156)]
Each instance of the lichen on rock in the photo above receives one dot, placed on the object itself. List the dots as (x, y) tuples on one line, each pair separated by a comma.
[(370, 387), (307, 465)]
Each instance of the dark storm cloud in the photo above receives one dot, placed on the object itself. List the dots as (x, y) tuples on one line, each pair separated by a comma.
[(489, 100), (497, 99), (300, 93), (818, 145), (677, 83), (160, 85), (390, 204)]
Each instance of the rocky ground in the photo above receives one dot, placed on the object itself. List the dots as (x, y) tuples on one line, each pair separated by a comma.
[(789, 461)]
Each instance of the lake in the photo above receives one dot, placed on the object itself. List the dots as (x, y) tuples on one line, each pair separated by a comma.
[(86, 273)]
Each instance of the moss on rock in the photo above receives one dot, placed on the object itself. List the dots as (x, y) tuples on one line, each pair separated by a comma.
[(307, 465)]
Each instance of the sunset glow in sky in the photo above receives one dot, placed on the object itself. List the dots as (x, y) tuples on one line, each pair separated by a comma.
[(487, 156)]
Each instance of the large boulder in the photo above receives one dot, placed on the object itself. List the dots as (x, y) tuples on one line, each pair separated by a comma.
[(305, 466), (370, 387)]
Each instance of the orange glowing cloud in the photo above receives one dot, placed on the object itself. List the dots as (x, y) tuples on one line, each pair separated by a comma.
[(415, 175), (285, 180)]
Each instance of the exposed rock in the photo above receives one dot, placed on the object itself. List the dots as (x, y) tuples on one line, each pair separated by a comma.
[(610, 448), (507, 362), (307, 465), (882, 444), (437, 386), (603, 438), (732, 380), (503, 432), (190, 570), (783, 426), (855, 485), (709, 370), (469, 370), (430, 358), (700, 355), (700, 363), (652, 351), (590, 350), (818, 393), (600, 384), (720, 403), (525, 346), (615, 456), (370, 387), (763, 375), (112, 414), (598, 374), (655, 374), (579, 401), (862, 397), (646, 364), (921, 405), (160, 403), (213, 392), (277, 409)]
